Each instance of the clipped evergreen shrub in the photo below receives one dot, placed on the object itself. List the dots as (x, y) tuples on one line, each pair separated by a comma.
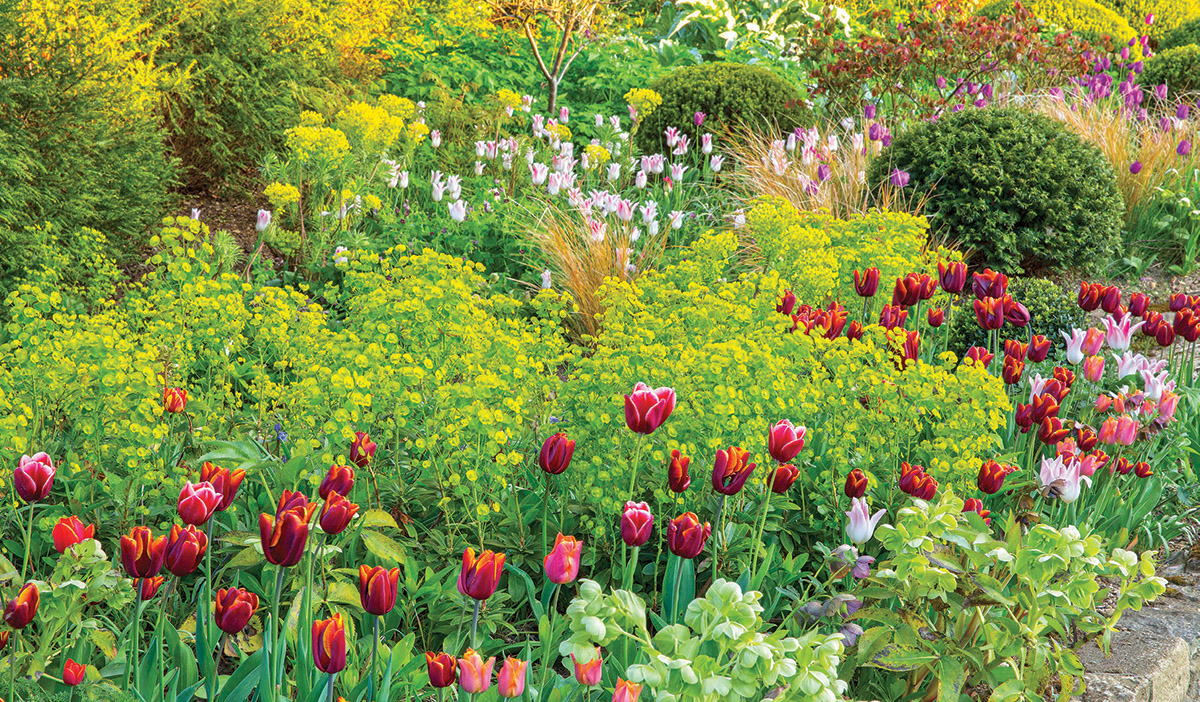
[(1086, 18), (1178, 68)]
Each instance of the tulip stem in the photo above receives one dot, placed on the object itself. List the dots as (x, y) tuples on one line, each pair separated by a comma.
[(630, 569), (545, 509), (211, 683), (637, 459), (678, 579), (28, 537), (133, 639), (272, 668), (12, 664), (374, 661), (762, 524), (475, 623), (329, 687)]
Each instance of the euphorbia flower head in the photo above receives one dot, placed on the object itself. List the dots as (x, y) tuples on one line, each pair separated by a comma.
[(861, 526), (636, 523), (1120, 330), (686, 536), (70, 531), (562, 563), (480, 575), (556, 454), (34, 476), (784, 441), (731, 470), (646, 409)]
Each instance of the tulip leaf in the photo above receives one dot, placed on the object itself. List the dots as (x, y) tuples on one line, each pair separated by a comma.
[(245, 558), (530, 590), (383, 547), (378, 518), (344, 593), (238, 686)]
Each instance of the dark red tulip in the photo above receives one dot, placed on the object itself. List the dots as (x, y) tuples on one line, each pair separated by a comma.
[(636, 523), (339, 479), (1153, 320), (991, 477), (866, 282), (233, 608), (989, 312), (854, 332), (443, 669), (73, 673), (907, 291), (1015, 313), (1110, 298), (952, 276), (70, 531), (783, 478), (329, 644), (1039, 348), (336, 514), (936, 316), (989, 283), (1142, 470), (1123, 466), (377, 588), (731, 470), (916, 482), (980, 355), (910, 349), (1089, 296), (1086, 438), (142, 554), (1012, 370), (926, 286), (785, 440), (225, 482), (856, 484), (33, 477), (185, 548), (147, 588), (480, 576), (678, 478), (975, 505), (646, 409), (174, 400), (21, 610), (1044, 406), (892, 317), (1138, 304), (787, 303), (686, 536), (285, 535), (362, 449), (197, 502), (1051, 431), (1065, 375), (1165, 336), (1015, 349), (1177, 301), (556, 453)]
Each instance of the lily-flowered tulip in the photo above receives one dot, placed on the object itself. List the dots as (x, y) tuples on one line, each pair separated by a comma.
[(861, 526), (185, 548), (362, 449), (147, 588), (952, 276), (285, 535), (1119, 331), (73, 673), (989, 283), (784, 441), (263, 220), (1093, 368), (1093, 341), (991, 476), (989, 312), (557, 451), (225, 482), (1039, 348), (731, 470), (473, 674), (678, 478), (1061, 480), (377, 588), (562, 563), (70, 531), (142, 554), (626, 691), (1075, 341), (782, 479), (197, 502), (336, 514), (511, 680), (21, 610), (866, 283), (975, 505), (233, 608), (339, 479), (34, 476), (588, 674), (329, 644), (646, 409), (636, 523), (686, 536), (174, 400), (442, 667), (856, 484), (480, 575)]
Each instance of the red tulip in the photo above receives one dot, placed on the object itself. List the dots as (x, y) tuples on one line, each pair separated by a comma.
[(1051, 431), (731, 470), (480, 576), (678, 478), (916, 482), (989, 312), (589, 674), (991, 476), (1015, 313), (147, 588), (70, 531), (1164, 335), (562, 563), (4, 639), (21, 610), (511, 680), (473, 674), (856, 484), (285, 535), (443, 669), (233, 608), (855, 331), (225, 482), (952, 276), (185, 548), (636, 523), (339, 479), (1089, 296), (787, 303), (142, 554), (336, 514), (329, 644), (197, 502), (362, 449), (910, 349), (1142, 470), (34, 476), (73, 673), (1110, 298), (867, 282), (907, 291), (686, 536), (783, 478), (976, 505), (1012, 370), (1138, 304), (378, 588), (980, 356), (646, 409), (626, 691), (892, 317), (784, 441), (1064, 375), (174, 400), (1039, 348), (1016, 349), (989, 283), (936, 316), (556, 453)]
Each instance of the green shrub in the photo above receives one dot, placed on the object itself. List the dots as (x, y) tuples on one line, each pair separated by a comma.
[(1087, 18), (1018, 189), (1051, 310), (1179, 68), (1168, 15), (1184, 34), (728, 94)]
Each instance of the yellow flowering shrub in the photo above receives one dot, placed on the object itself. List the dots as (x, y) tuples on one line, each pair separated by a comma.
[(315, 146), (371, 128), (644, 100), (597, 155)]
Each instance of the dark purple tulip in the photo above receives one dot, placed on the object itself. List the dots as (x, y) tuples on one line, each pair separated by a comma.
[(899, 178), (1181, 112), (869, 111), (1184, 148), (1135, 167)]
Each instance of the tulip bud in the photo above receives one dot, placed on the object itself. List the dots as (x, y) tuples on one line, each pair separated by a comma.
[(442, 667), (626, 691), (686, 536), (336, 514), (866, 282), (511, 682), (362, 449), (856, 484), (185, 548), (678, 478), (233, 608), (197, 502), (378, 588), (787, 303), (33, 477), (562, 563), (329, 644), (636, 523), (73, 673), (147, 588), (21, 610), (480, 576), (174, 400), (588, 674), (70, 531), (646, 409), (284, 536), (731, 470), (339, 479), (556, 454), (224, 481), (142, 554), (936, 316), (782, 479), (473, 674)]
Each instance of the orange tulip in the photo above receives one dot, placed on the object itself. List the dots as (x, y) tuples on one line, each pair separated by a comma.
[(626, 691)]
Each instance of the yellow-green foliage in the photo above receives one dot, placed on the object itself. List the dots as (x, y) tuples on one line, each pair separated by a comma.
[(736, 369), (1086, 18), (1168, 14), (817, 254)]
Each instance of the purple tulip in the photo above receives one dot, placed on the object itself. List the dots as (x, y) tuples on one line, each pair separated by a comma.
[(875, 132), (899, 178), (1160, 91), (1135, 167), (698, 118), (869, 111), (1181, 112), (824, 172), (941, 82), (1184, 148)]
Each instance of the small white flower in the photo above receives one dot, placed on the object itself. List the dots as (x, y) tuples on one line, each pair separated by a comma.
[(458, 210)]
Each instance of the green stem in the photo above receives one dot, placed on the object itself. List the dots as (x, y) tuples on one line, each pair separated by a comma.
[(637, 459), (374, 661), (211, 683), (329, 687), (272, 666), (135, 635), (475, 623), (630, 569), (28, 537), (545, 509), (762, 525), (678, 579), (12, 664)]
